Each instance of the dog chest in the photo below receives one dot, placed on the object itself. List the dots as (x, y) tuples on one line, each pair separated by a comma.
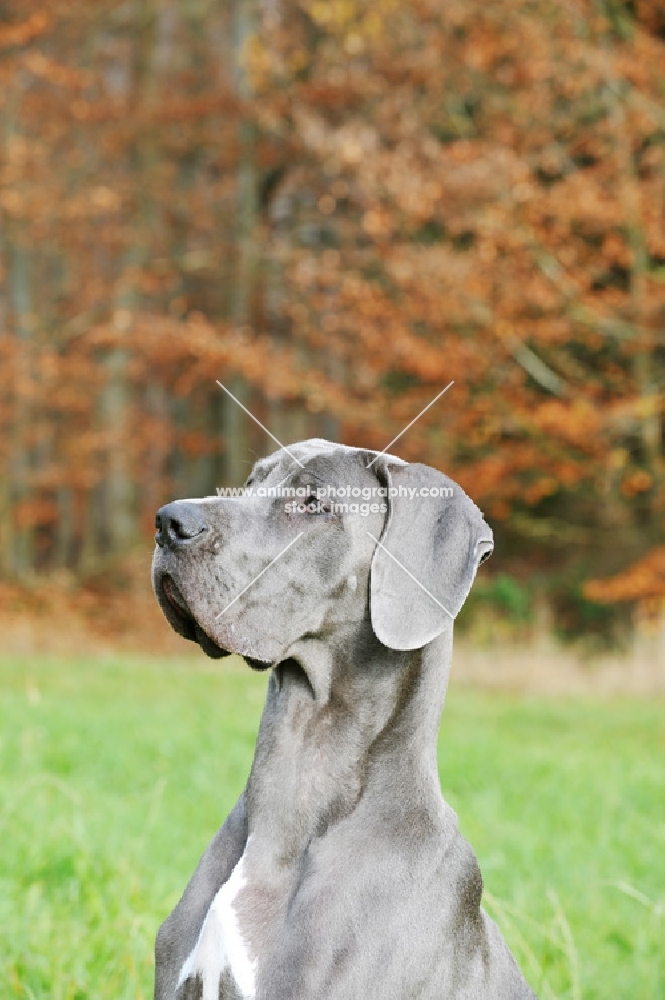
[(220, 963)]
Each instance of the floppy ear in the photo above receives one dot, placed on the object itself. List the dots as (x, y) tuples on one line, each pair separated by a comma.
[(427, 556)]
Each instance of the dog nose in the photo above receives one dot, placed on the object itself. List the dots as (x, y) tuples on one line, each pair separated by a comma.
[(179, 522)]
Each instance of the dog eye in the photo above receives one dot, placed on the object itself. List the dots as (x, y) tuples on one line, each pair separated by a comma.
[(317, 506)]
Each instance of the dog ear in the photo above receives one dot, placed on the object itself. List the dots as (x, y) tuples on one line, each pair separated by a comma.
[(434, 538)]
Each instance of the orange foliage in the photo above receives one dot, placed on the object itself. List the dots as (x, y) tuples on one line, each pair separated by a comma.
[(643, 580), (396, 195)]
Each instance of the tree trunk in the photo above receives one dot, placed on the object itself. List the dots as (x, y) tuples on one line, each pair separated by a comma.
[(19, 283), (235, 422)]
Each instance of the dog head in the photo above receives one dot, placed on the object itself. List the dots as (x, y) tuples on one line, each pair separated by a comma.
[(323, 537)]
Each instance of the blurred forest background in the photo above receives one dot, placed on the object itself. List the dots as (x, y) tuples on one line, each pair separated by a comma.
[(336, 207)]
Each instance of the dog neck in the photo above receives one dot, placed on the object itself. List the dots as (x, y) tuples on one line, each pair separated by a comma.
[(342, 723)]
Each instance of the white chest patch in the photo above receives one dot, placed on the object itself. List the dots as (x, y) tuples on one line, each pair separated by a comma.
[(220, 946)]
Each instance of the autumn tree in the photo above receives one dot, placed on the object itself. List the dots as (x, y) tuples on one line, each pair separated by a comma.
[(336, 209)]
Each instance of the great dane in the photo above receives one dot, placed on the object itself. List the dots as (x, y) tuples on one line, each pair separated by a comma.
[(340, 873)]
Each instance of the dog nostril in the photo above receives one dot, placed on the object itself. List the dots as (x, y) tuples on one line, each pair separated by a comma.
[(182, 530), (179, 522)]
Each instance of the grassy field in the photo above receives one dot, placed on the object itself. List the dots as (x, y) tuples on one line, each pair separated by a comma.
[(114, 774)]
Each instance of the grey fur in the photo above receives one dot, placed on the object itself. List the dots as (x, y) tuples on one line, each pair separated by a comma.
[(359, 884)]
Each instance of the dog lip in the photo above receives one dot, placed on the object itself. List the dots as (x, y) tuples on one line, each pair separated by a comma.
[(175, 607), (208, 645), (181, 610), (255, 664), (174, 597), (189, 626)]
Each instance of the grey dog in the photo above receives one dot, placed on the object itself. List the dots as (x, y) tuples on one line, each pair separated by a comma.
[(340, 873)]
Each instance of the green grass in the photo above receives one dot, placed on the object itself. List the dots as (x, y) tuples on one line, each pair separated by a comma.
[(115, 773)]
